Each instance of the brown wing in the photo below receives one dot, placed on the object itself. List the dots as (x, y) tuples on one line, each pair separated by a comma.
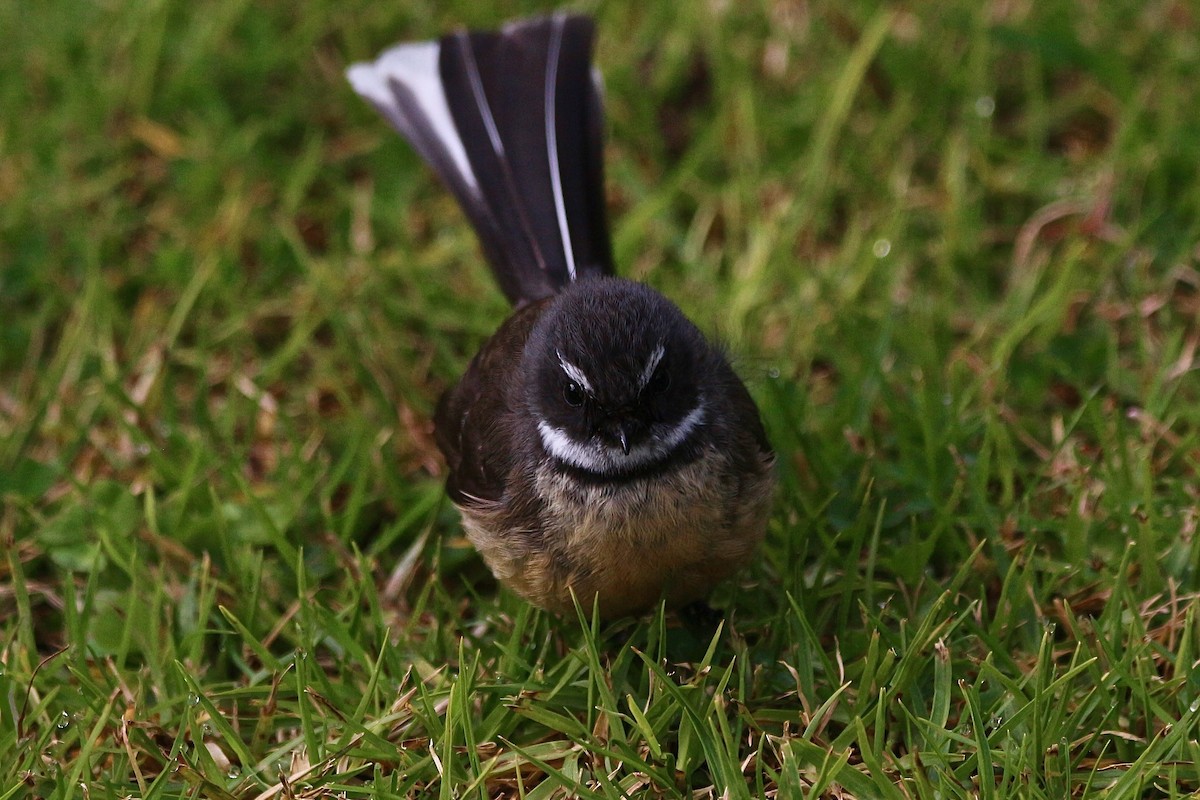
[(739, 427), (473, 423)]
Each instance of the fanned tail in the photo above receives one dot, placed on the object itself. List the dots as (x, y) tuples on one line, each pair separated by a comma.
[(512, 123)]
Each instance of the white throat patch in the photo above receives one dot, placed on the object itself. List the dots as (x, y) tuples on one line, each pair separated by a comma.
[(595, 456)]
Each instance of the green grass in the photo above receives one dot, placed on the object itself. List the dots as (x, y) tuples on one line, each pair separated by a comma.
[(954, 250)]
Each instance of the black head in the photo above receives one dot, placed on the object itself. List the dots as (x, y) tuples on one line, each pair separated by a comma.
[(614, 371)]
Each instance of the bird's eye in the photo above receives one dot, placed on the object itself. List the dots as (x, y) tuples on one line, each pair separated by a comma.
[(573, 394), (660, 381)]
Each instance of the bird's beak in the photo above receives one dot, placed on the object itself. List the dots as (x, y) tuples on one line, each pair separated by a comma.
[(622, 431)]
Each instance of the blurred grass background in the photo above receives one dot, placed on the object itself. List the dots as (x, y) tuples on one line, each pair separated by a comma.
[(953, 248)]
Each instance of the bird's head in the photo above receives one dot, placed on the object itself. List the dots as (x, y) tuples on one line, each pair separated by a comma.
[(615, 377)]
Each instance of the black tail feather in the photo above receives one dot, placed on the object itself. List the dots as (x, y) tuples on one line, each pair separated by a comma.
[(512, 122), (581, 155)]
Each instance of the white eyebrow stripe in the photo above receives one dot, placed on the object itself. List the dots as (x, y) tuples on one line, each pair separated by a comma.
[(575, 374), (651, 365)]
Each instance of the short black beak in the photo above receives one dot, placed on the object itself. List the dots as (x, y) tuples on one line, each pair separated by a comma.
[(623, 431)]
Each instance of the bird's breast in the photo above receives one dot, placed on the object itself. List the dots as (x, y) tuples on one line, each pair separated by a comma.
[(671, 535)]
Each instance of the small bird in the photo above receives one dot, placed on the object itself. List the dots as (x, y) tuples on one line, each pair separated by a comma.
[(598, 444)]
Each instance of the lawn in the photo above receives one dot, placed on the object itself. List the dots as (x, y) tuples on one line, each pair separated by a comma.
[(954, 250)]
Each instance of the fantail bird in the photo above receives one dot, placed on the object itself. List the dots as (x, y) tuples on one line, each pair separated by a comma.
[(598, 443)]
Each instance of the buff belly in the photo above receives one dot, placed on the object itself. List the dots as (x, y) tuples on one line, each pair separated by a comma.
[(630, 543)]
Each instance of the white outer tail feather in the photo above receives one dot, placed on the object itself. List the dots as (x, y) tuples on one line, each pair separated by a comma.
[(414, 66)]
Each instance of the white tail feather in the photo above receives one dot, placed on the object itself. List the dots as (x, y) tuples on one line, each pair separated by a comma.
[(414, 66)]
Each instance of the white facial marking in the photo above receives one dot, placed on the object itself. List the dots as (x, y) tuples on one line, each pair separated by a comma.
[(575, 374), (595, 456), (651, 365)]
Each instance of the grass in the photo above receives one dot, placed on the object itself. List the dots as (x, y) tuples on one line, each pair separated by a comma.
[(954, 250)]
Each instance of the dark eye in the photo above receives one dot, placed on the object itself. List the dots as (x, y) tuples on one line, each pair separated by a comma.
[(660, 381), (573, 394)]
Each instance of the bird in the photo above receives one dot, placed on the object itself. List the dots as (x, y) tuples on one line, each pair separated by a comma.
[(600, 448)]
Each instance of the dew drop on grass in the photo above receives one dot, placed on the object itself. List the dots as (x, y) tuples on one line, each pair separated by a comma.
[(881, 248), (193, 699), (985, 106), (772, 373), (64, 721)]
